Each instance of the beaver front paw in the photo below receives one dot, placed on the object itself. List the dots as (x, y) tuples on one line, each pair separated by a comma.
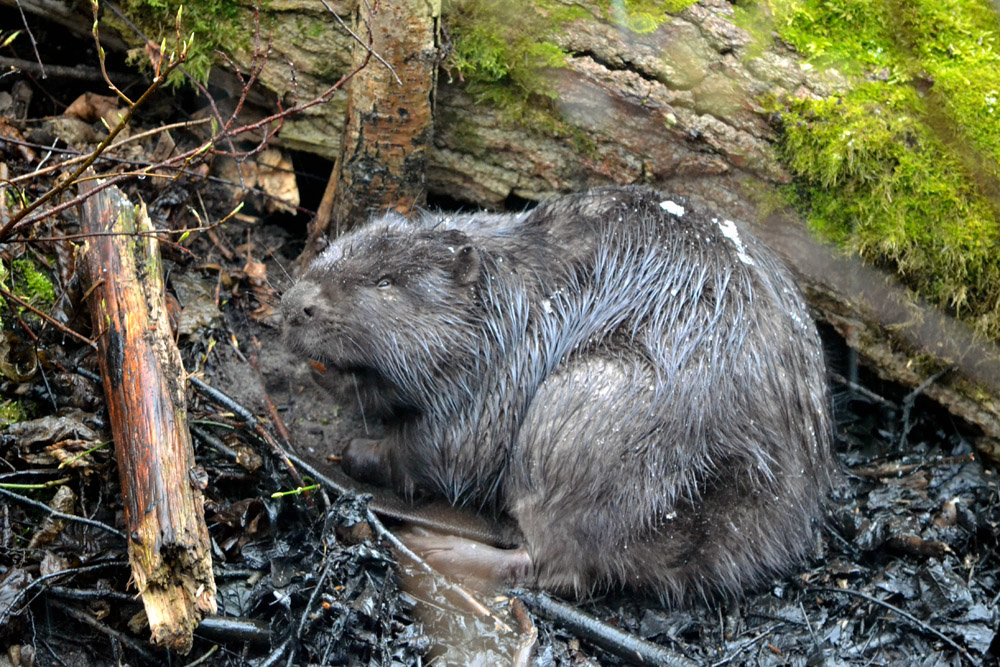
[(366, 460)]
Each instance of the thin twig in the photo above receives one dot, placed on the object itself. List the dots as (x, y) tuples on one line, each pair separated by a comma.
[(27, 216), (158, 233), (360, 41), (48, 318), (624, 645), (217, 115), (272, 410), (908, 616), (95, 8), (228, 628), (307, 612), (60, 187), (898, 469), (275, 656), (31, 36), (384, 533), (907, 404), (79, 158), (76, 73), (21, 218), (742, 648), (15, 225), (219, 397), (22, 500), (91, 594), (118, 636), (35, 583), (864, 391)]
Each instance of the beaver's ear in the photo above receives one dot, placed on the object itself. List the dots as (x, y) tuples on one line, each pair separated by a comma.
[(466, 265)]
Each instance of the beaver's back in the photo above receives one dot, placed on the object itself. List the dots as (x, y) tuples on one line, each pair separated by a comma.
[(687, 408)]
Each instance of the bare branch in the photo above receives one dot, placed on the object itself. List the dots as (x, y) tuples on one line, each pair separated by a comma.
[(31, 36), (48, 318)]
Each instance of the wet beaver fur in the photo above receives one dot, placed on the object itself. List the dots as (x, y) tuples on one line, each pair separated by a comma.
[(636, 383)]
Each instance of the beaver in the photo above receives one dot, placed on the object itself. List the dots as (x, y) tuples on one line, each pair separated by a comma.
[(637, 384)]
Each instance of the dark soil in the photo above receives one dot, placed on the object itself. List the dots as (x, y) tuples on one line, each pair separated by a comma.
[(906, 573)]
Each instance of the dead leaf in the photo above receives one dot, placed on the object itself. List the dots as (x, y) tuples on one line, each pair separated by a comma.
[(277, 179), (70, 453), (73, 131), (91, 107), (266, 311), (64, 501), (153, 53), (241, 522), (18, 361), (35, 434), (165, 147), (238, 176), (8, 131), (247, 458), (267, 298), (255, 272), (12, 583), (198, 306), (52, 563), (19, 655)]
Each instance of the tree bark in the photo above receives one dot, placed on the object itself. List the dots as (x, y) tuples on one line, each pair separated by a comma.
[(389, 119), (903, 338), (144, 384)]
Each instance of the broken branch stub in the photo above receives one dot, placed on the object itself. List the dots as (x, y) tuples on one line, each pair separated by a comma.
[(144, 383)]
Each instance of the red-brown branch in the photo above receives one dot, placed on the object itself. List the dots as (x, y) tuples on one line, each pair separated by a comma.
[(144, 385)]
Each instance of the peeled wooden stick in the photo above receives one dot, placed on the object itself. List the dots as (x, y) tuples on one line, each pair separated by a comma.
[(144, 383)]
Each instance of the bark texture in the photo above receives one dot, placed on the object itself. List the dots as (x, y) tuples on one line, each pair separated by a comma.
[(901, 337), (144, 385), (389, 118)]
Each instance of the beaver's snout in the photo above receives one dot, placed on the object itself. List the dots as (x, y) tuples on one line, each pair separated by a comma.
[(299, 304)]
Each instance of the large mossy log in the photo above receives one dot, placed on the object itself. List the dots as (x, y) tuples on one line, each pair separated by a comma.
[(680, 107), (903, 338)]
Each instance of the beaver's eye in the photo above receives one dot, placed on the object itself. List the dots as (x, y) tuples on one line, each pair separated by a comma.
[(384, 282)]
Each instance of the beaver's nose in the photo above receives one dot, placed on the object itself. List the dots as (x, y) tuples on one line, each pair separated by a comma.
[(298, 305)]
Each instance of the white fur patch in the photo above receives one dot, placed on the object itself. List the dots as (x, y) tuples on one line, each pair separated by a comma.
[(728, 228), (672, 207)]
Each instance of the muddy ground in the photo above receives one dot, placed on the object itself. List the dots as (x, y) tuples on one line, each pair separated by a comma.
[(906, 573)]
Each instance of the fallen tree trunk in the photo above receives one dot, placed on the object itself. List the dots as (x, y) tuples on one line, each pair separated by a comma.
[(904, 339), (678, 107), (144, 383)]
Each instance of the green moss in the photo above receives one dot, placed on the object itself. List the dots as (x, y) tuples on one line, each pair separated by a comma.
[(11, 412), (904, 168), (32, 284), (500, 48), (305, 28), (215, 24), (642, 16), (848, 34)]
